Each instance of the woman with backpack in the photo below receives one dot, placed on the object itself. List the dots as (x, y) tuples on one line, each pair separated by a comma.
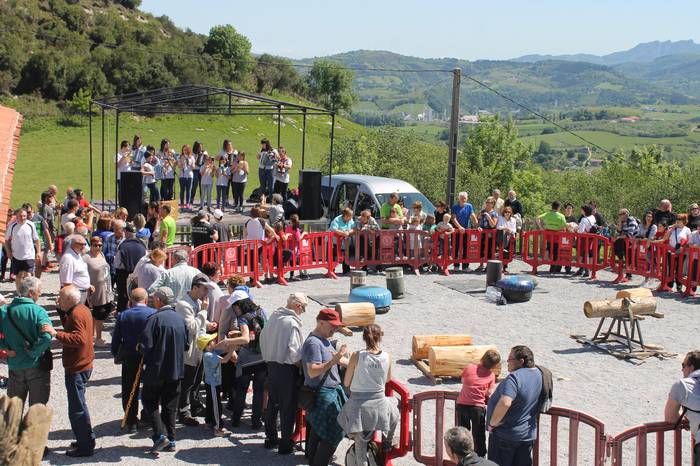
[(250, 366)]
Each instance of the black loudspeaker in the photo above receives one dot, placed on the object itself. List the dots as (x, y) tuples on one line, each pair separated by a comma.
[(131, 192), (310, 195)]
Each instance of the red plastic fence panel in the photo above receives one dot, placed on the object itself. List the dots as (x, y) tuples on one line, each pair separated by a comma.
[(385, 247), (395, 388), (689, 269), (576, 418), (640, 433), (419, 453), (650, 260), (170, 260), (312, 251), (470, 246), (233, 257), (583, 250)]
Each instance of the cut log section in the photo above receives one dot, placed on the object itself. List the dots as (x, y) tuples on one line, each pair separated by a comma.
[(451, 360), (422, 343), (634, 293), (356, 314), (617, 308)]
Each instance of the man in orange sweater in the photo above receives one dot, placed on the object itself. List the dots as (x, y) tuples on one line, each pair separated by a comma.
[(78, 355)]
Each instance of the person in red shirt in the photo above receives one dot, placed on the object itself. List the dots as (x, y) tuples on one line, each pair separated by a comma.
[(478, 383)]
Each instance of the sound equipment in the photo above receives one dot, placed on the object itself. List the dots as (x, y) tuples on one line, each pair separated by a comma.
[(310, 195), (131, 192)]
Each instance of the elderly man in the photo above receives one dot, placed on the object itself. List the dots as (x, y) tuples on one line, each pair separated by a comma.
[(664, 213), (72, 269), (512, 411), (112, 242), (163, 344), (129, 253), (463, 218), (78, 356), (193, 310), (499, 202), (459, 447), (343, 226), (23, 247), (179, 277), (320, 364), (129, 326), (684, 399), (281, 343), (276, 210), (25, 342)]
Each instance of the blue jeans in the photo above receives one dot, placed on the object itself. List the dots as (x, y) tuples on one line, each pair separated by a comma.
[(268, 182), (185, 187), (261, 178), (155, 194), (195, 184), (508, 452), (221, 196), (78, 411), (205, 195)]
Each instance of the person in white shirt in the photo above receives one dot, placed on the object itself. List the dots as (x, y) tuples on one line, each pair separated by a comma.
[(72, 269), (280, 173), (124, 159), (185, 164), (24, 247), (148, 170), (506, 229), (281, 342), (677, 237), (585, 225)]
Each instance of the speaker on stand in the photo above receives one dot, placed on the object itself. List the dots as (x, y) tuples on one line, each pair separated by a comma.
[(310, 195), (131, 192)]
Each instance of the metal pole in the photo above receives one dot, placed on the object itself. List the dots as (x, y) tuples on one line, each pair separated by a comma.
[(303, 141), (279, 123), (330, 162), (116, 165), (454, 135), (229, 103), (103, 158), (90, 139)]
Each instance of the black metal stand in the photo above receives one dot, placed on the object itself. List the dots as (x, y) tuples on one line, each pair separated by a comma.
[(614, 332)]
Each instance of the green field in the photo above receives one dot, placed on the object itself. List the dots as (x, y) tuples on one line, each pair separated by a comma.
[(50, 153)]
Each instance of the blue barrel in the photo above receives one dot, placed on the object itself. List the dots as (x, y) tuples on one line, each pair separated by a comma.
[(380, 297)]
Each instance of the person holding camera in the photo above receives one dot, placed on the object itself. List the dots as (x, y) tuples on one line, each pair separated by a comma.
[(281, 172), (488, 219), (267, 157)]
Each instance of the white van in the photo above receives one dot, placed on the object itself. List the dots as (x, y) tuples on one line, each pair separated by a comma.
[(360, 192)]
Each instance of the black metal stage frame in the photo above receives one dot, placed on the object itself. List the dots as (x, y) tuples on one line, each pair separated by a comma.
[(196, 99)]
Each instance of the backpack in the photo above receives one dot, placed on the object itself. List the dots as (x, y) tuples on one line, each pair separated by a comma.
[(547, 393)]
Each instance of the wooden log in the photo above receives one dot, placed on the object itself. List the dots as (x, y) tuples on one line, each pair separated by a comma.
[(422, 343), (634, 293), (356, 314), (451, 360), (616, 308)]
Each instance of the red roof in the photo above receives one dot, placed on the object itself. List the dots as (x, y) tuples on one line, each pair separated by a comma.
[(10, 125)]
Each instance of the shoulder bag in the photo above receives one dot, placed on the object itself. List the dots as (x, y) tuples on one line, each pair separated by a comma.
[(46, 358), (307, 395)]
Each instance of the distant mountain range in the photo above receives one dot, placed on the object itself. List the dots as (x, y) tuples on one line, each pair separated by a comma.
[(648, 74), (642, 53)]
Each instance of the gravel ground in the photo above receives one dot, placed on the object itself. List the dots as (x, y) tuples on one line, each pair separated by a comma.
[(619, 393)]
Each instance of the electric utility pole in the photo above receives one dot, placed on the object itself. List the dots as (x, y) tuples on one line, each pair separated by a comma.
[(454, 136)]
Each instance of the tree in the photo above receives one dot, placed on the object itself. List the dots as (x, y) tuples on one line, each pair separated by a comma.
[(330, 84), (275, 73), (225, 42)]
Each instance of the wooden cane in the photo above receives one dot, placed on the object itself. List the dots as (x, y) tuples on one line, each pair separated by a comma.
[(137, 379)]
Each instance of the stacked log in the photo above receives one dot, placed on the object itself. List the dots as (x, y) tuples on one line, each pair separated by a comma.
[(451, 360), (422, 343), (619, 307), (356, 314)]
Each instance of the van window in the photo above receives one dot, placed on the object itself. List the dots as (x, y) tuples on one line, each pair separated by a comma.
[(408, 200), (345, 197), (365, 202)]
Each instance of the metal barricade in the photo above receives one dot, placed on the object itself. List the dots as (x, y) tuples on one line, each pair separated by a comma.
[(233, 257), (639, 433), (559, 248)]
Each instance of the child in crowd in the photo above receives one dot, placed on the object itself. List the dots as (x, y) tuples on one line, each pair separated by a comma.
[(212, 360), (414, 224), (295, 236), (478, 384), (223, 175), (206, 176), (445, 226), (429, 224)]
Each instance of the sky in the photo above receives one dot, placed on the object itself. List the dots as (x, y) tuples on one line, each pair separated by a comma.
[(495, 29)]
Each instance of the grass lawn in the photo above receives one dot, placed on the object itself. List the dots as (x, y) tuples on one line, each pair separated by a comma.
[(50, 153)]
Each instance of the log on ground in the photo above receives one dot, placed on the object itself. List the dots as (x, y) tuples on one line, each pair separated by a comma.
[(356, 314), (451, 360), (422, 343), (617, 308)]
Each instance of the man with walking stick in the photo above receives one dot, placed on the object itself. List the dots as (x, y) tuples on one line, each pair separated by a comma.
[(129, 326)]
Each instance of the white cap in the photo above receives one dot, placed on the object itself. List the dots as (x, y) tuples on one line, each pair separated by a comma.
[(218, 214), (237, 296)]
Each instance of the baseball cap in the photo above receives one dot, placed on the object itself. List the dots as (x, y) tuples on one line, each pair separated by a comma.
[(237, 295), (331, 316), (218, 214), (204, 339), (164, 294), (200, 279)]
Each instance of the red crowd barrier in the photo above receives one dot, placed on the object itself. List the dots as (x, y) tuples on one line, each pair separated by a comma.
[(583, 250), (691, 273), (648, 259), (314, 251), (470, 246), (170, 260), (234, 258), (385, 247), (640, 433), (576, 418)]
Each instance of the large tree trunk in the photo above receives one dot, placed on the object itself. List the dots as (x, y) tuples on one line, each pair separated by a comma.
[(422, 343), (634, 293), (356, 314), (451, 360), (617, 308), (22, 442)]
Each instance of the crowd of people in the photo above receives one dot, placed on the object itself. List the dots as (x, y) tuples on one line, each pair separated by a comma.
[(186, 346), (196, 170)]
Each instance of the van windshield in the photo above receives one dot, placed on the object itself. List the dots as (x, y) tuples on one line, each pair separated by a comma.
[(408, 200)]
